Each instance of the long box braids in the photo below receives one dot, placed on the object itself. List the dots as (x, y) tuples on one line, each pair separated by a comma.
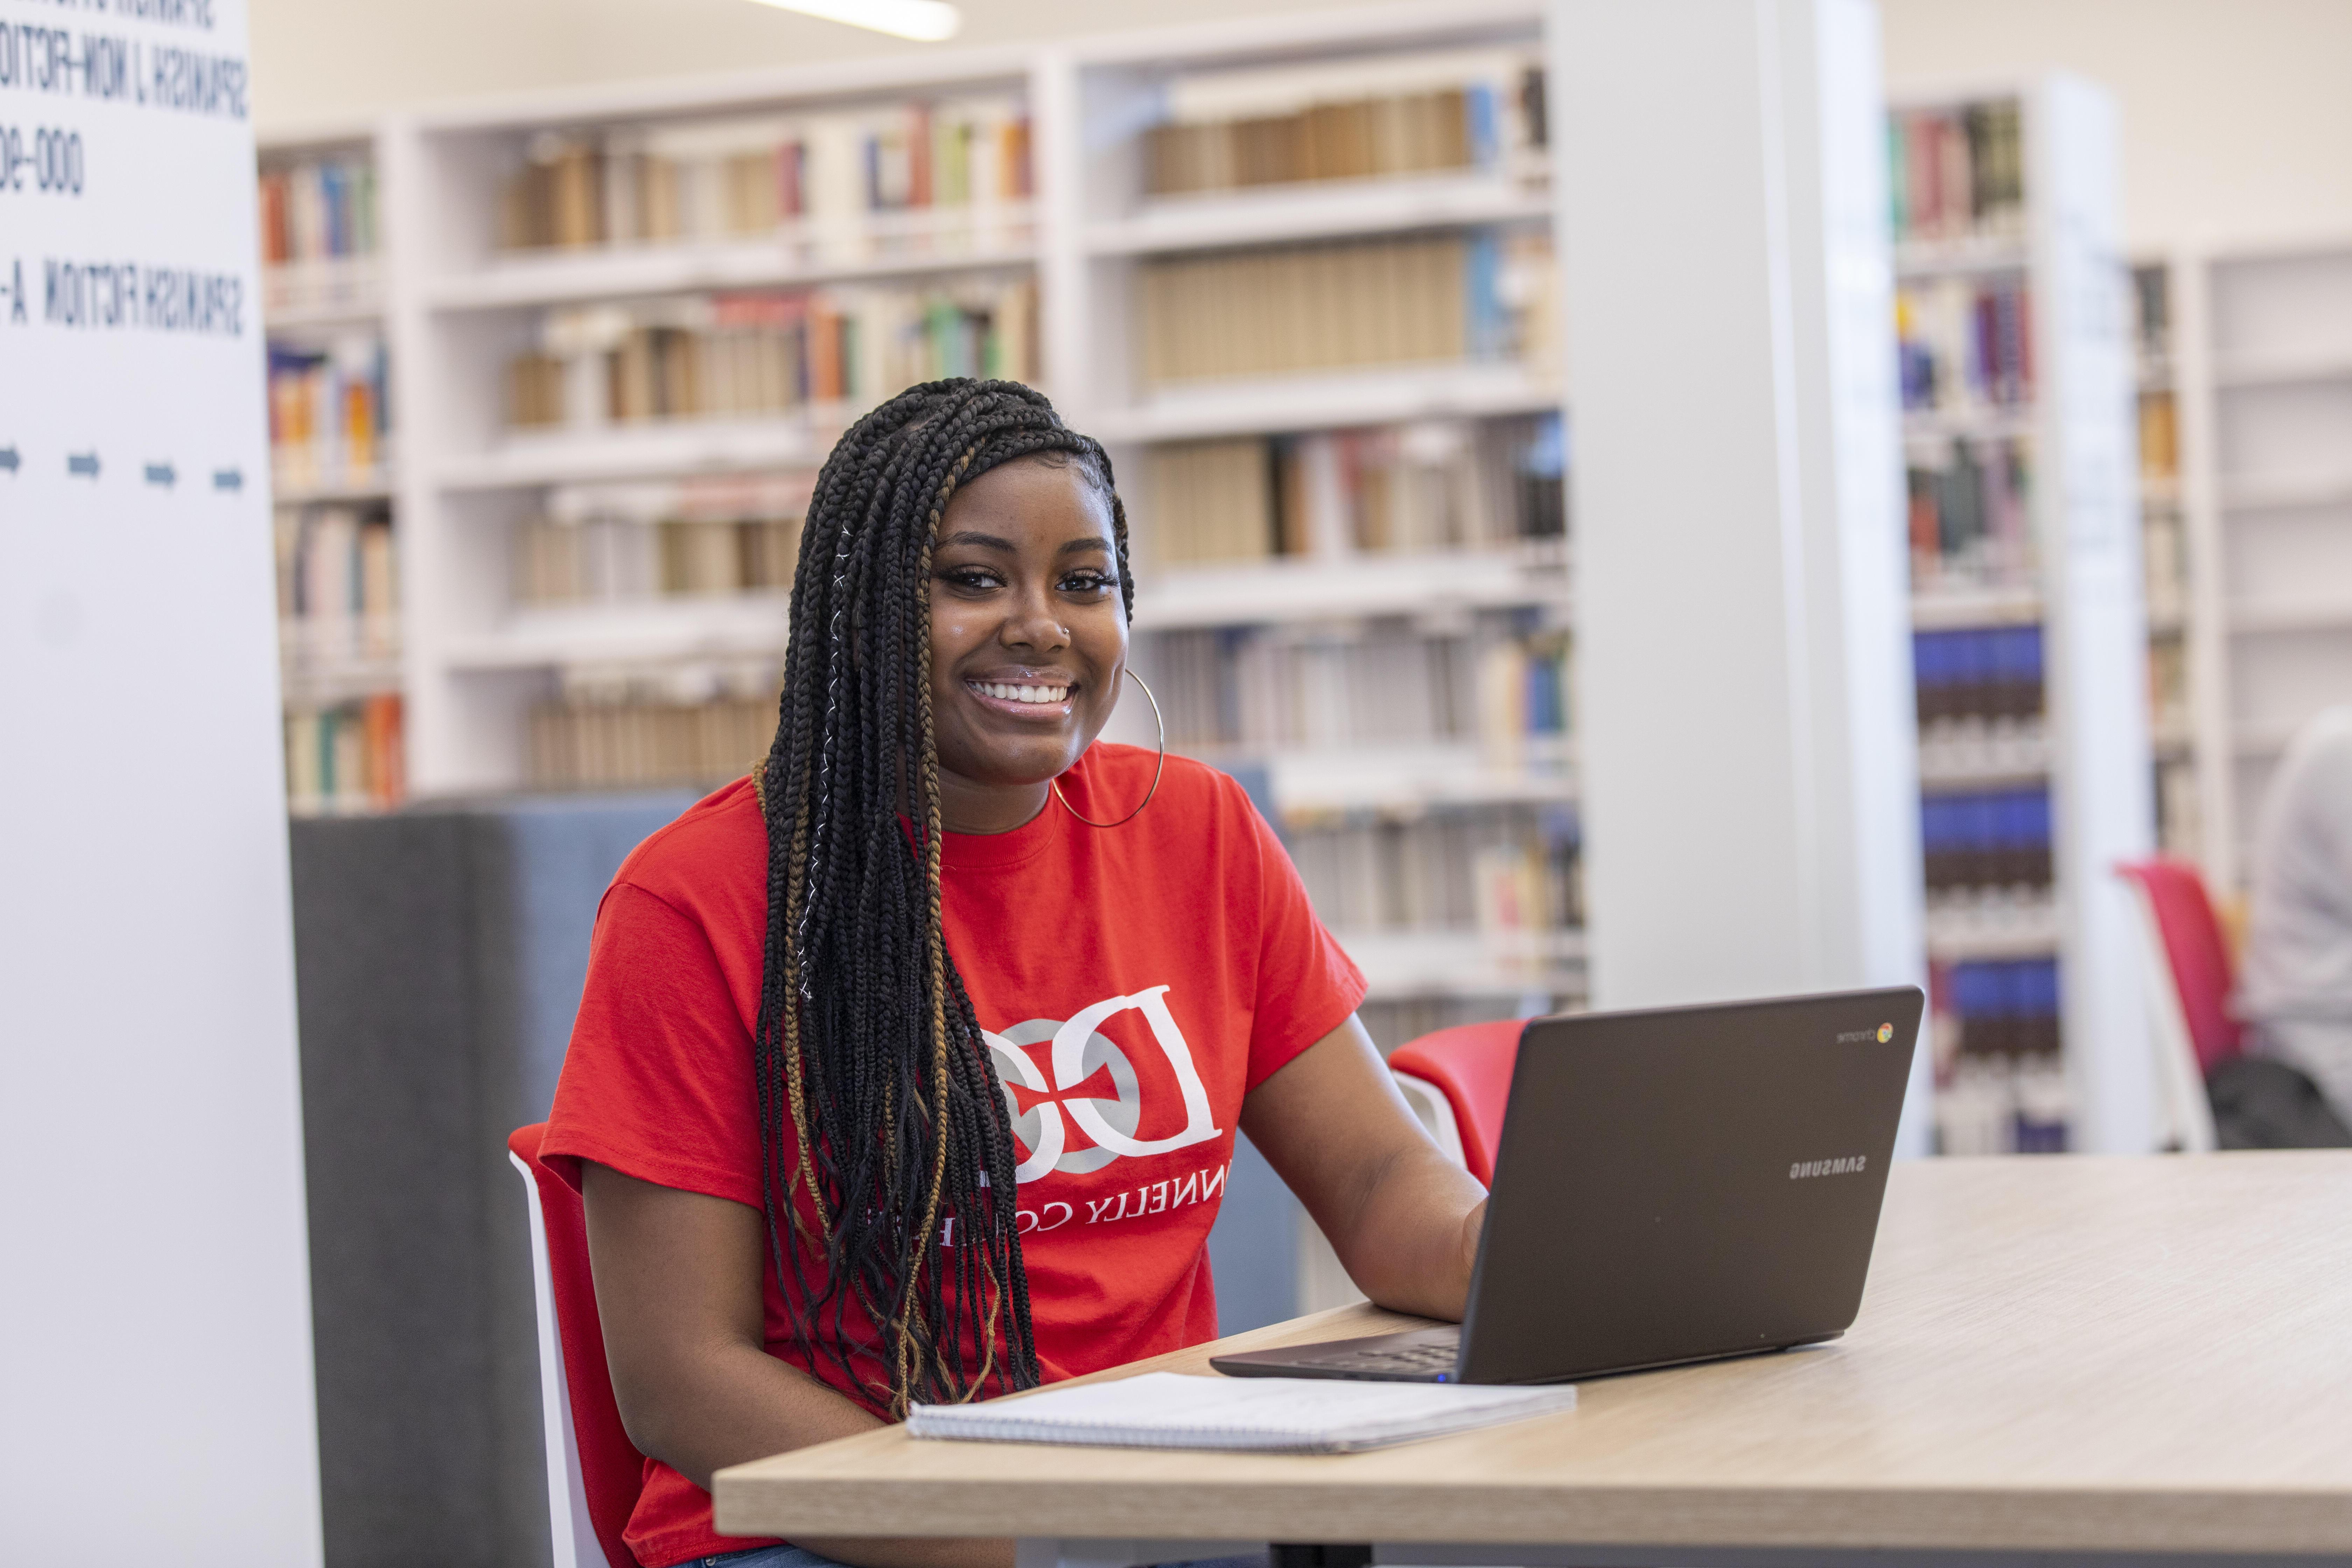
[(882, 1119)]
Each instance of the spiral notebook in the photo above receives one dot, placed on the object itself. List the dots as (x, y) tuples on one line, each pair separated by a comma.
[(1260, 1414)]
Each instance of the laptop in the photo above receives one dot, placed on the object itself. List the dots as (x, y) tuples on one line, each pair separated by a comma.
[(1673, 1185)]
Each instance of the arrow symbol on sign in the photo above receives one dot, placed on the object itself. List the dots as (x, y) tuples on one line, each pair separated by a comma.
[(229, 478), (160, 474), (82, 465), (8, 458)]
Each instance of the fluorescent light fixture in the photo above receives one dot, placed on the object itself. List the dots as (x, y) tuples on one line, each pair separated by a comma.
[(926, 20)]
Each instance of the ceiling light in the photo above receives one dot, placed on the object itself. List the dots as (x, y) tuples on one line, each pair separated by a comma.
[(928, 20)]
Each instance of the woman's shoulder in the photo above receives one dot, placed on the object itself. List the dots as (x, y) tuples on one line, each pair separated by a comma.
[(1192, 797), (716, 848)]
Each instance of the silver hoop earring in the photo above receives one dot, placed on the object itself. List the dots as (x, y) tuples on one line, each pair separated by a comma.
[(1162, 767)]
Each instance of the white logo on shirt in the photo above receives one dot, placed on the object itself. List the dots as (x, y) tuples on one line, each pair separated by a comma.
[(1094, 1085)]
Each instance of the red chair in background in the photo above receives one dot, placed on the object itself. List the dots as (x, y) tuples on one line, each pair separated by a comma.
[(2189, 980), (593, 1472), (1458, 1081)]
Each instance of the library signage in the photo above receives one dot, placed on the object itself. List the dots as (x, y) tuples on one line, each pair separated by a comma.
[(142, 806)]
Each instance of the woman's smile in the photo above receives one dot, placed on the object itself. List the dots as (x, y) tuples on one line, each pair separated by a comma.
[(1030, 696)]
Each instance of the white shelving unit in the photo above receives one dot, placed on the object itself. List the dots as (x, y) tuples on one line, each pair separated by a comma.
[(330, 662), (2263, 369), (2080, 584), (1116, 90)]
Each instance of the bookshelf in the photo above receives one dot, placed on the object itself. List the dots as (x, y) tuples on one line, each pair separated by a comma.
[(1352, 563), (333, 461), (2035, 630), (2262, 372)]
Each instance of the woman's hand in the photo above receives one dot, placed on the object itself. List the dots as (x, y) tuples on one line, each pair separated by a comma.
[(1404, 1218), (678, 1289)]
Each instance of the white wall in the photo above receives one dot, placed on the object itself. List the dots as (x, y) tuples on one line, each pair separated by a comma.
[(2235, 112)]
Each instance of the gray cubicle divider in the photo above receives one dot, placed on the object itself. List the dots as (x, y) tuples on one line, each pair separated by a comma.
[(439, 958), (439, 955)]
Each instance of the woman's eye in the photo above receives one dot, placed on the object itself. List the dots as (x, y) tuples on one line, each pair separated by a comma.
[(1086, 583), (974, 578)]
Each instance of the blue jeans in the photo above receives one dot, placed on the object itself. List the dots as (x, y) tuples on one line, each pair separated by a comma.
[(789, 1556)]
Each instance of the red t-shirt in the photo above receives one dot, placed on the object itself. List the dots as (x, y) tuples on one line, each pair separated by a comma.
[(1135, 983)]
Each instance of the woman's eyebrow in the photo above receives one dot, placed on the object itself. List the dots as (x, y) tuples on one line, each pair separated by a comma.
[(984, 540)]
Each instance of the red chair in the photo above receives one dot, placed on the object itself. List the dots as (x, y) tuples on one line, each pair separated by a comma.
[(1459, 1079), (2189, 981), (593, 1472)]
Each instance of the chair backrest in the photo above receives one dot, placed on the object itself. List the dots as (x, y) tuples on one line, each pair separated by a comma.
[(2194, 950), (593, 1472), (2187, 980), (1471, 1065)]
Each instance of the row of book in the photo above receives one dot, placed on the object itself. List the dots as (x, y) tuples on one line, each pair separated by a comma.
[(1346, 304), (1434, 485), (1971, 513), (1500, 684), (842, 177), (329, 413), (319, 209), (1474, 125), (616, 561), (2006, 1007), (643, 739), (345, 759), (768, 351), (1985, 838), (1495, 869), (1957, 173), (338, 587), (1965, 346), (2160, 439), (2002, 1105), (619, 543), (1980, 671)]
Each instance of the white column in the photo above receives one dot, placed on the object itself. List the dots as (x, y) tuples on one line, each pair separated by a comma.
[(155, 1375), (2095, 616), (1749, 757)]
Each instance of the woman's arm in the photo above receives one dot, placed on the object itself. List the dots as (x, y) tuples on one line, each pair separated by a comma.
[(1402, 1217), (678, 1289)]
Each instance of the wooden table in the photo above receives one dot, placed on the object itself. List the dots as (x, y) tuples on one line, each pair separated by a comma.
[(2056, 1358)]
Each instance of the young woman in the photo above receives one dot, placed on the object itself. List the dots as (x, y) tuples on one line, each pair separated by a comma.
[(910, 1067)]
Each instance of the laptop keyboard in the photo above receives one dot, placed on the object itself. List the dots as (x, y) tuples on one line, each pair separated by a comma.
[(1412, 1360)]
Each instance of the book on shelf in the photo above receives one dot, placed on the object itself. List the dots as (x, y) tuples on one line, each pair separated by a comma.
[(692, 726), (1957, 173), (769, 351), (2000, 1088), (1982, 673), (338, 590), (1441, 112), (924, 172), (1431, 485), (2180, 809), (1969, 505), (1478, 295), (2152, 322), (1974, 839), (319, 234), (1502, 683), (347, 757), (329, 413), (1496, 869), (1965, 346), (620, 544)]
